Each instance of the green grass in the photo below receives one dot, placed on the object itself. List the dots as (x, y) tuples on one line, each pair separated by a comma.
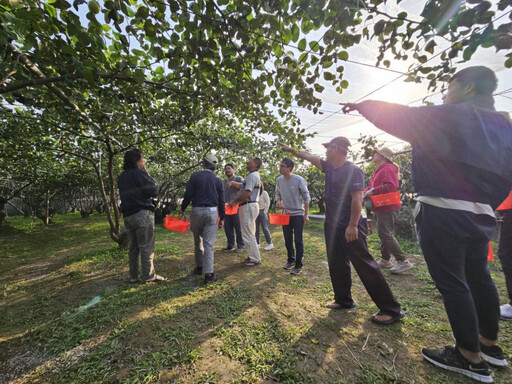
[(67, 315)]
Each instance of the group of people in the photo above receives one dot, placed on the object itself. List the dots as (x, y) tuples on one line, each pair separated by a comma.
[(462, 171)]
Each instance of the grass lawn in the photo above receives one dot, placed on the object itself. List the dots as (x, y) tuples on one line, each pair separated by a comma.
[(68, 315)]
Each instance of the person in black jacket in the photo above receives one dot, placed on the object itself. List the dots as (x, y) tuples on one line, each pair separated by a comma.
[(461, 171), (137, 190)]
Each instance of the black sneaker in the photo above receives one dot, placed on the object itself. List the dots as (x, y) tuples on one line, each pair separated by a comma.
[(296, 271), (227, 249), (288, 265), (210, 279), (493, 355), (450, 358)]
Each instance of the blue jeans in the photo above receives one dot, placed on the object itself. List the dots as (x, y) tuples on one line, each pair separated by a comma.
[(263, 221), (232, 226), (291, 231)]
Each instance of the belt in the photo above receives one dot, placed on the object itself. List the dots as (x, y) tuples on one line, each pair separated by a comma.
[(248, 202), (204, 206)]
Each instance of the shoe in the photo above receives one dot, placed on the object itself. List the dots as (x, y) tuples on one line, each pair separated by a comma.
[(450, 358), (402, 266), (156, 279), (506, 312), (493, 355), (269, 247), (198, 270), (384, 264), (288, 265), (227, 249), (240, 249), (338, 306), (392, 320), (296, 271), (252, 263), (210, 279)]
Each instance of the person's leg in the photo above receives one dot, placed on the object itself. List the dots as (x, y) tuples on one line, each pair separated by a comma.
[(239, 238), (483, 290), (133, 253), (339, 266), (298, 228), (264, 226), (288, 241), (371, 276), (209, 234), (385, 227), (229, 229), (248, 213), (257, 224), (445, 255), (505, 252), (197, 227), (146, 241)]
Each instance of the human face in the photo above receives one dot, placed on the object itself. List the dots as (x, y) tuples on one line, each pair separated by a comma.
[(330, 153), (229, 171), (457, 92), (377, 158), (141, 164), (251, 165), (284, 170)]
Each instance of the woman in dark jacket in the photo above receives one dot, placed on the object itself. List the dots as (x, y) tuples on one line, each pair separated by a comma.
[(385, 180)]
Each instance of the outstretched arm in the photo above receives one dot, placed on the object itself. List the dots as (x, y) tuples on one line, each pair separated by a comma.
[(315, 160)]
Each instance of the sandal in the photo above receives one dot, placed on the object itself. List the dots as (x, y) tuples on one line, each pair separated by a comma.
[(391, 320), (338, 306), (156, 279), (252, 263)]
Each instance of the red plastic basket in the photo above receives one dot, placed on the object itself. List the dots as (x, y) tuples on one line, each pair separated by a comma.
[(176, 224), (231, 211), (386, 199), (279, 219), (507, 203)]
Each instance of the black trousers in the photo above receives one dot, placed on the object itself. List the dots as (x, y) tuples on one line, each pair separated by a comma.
[(455, 244), (505, 251), (339, 256)]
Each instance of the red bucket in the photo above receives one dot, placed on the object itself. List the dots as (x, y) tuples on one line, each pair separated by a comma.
[(231, 211), (279, 219), (507, 203), (176, 224), (386, 199)]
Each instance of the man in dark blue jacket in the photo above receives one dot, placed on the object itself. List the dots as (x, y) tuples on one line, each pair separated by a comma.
[(137, 190), (205, 190), (462, 170)]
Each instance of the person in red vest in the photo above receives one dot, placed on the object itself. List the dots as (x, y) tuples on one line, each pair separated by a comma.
[(385, 180)]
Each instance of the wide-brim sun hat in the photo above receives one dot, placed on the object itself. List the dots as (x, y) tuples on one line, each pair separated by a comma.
[(386, 153)]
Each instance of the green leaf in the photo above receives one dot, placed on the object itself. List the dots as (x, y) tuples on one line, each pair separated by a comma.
[(302, 44), (329, 76), (139, 76), (378, 28), (343, 55)]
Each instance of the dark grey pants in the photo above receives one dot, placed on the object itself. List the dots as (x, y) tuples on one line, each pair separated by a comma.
[(388, 244), (140, 228)]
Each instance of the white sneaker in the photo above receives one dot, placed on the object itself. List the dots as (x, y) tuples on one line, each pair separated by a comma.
[(506, 312), (269, 247), (402, 266)]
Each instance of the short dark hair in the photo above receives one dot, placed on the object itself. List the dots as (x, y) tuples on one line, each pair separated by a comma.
[(484, 79), (289, 162), (257, 160), (131, 158), (229, 165)]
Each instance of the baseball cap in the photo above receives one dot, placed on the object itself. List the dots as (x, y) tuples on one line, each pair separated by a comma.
[(210, 159), (339, 141)]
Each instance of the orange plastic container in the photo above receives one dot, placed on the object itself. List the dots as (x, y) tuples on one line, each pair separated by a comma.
[(386, 199), (176, 224), (231, 211), (507, 203), (279, 219)]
